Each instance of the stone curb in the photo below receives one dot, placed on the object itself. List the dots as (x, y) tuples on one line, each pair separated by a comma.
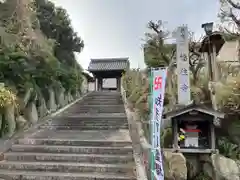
[(140, 169), (140, 146), (7, 143)]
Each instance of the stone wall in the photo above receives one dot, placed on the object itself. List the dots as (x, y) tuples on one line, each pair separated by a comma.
[(91, 86), (33, 110), (84, 85), (229, 52)]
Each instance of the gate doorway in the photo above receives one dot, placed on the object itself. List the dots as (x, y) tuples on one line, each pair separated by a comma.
[(109, 84)]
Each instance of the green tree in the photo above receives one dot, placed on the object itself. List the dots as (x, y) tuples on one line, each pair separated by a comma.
[(37, 47), (157, 52), (56, 24)]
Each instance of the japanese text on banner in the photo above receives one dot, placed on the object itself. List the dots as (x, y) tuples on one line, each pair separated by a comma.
[(159, 77)]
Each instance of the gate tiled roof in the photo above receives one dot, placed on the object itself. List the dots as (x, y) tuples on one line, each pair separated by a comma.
[(108, 64)]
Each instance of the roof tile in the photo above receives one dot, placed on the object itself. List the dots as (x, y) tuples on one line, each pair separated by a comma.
[(108, 64)]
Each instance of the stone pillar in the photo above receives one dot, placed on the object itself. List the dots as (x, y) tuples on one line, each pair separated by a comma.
[(101, 84), (175, 133), (118, 83), (100, 81), (98, 87), (95, 84), (213, 137)]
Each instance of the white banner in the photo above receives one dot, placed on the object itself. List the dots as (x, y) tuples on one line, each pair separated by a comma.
[(159, 82), (184, 93)]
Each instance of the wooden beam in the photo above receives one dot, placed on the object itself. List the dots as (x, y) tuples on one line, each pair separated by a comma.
[(193, 119)]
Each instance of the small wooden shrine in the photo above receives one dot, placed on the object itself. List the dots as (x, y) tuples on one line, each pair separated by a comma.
[(195, 124), (108, 68)]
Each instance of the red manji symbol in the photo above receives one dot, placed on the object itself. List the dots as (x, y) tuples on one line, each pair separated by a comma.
[(157, 83)]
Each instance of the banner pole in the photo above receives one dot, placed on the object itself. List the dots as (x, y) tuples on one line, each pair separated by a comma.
[(150, 103)]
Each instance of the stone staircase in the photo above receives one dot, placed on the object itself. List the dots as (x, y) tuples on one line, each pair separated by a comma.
[(89, 141)]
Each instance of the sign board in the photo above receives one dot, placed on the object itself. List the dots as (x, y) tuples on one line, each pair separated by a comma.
[(184, 93)]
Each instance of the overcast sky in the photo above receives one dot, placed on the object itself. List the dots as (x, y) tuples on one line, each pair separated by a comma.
[(115, 28)]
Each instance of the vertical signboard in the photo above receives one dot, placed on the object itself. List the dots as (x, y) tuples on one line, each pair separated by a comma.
[(158, 90), (183, 66)]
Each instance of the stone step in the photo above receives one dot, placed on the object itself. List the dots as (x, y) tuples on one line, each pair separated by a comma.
[(90, 135), (85, 127), (108, 135), (72, 149), (104, 97), (67, 167), (103, 101), (100, 115), (105, 94), (102, 93), (103, 110), (96, 98), (90, 123), (99, 99), (78, 117), (91, 119), (117, 99), (93, 125), (99, 106), (99, 103), (102, 106), (93, 158), (94, 107), (74, 142), (83, 121), (36, 175)]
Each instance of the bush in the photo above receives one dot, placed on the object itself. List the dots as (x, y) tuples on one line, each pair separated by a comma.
[(7, 97), (228, 149), (228, 94)]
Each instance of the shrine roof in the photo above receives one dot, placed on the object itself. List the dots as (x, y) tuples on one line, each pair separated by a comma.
[(108, 64), (180, 110), (216, 38)]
